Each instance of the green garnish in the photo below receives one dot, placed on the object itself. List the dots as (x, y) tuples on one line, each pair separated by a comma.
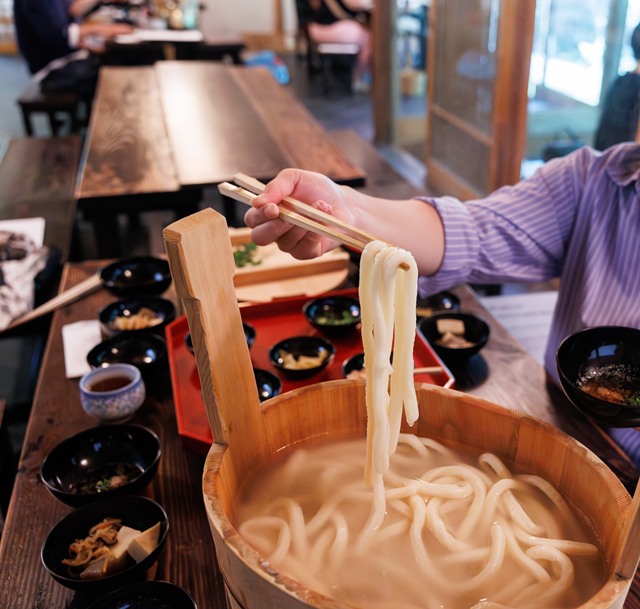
[(245, 254)]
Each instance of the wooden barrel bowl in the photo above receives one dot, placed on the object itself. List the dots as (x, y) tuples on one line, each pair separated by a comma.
[(336, 410)]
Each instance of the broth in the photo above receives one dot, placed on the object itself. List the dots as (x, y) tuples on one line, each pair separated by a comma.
[(306, 513), (110, 384), (106, 478)]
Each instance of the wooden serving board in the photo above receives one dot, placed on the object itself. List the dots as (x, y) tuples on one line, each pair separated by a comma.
[(279, 275)]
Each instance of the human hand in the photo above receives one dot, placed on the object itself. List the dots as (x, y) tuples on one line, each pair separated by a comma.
[(312, 188), (93, 35)]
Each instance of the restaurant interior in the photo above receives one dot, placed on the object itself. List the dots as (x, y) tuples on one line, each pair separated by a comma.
[(461, 97)]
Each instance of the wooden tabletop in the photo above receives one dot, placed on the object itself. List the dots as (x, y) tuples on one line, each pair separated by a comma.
[(503, 373), (127, 150), (226, 119)]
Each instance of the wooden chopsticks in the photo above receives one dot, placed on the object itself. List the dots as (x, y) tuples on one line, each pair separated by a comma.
[(299, 213)]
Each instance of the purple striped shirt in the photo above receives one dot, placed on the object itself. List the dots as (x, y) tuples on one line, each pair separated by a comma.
[(577, 218)]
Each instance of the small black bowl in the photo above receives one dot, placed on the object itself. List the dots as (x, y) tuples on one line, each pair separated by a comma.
[(333, 315), (164, 309), (269, 385), (442, 301), (291, 350), (135, 511), (476, 332), (249, 336), (603, 350), (353, 365), (139, 276), (146, 595), (147, 352), (89, 454)]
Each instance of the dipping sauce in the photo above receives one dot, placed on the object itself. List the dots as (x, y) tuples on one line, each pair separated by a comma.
[(106, 478), (110, 384), (617, 383)]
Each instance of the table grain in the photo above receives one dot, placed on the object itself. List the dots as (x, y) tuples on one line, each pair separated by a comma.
[(503, 372)]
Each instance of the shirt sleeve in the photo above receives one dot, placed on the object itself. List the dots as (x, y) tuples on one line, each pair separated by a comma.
[(49, 22), (518, 233)]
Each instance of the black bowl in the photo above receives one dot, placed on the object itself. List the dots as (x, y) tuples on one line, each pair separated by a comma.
[(140, 276), (269, 385), (298, 347), (476, 332), (333, 315), (163, 309), (596, 351), (136, 512), (442, 301), (146, 595), (89, 453), (353, 364), (249, 336), (147, 352)]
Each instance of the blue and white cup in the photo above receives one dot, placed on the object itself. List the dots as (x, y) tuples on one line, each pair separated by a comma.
[(112, 394)]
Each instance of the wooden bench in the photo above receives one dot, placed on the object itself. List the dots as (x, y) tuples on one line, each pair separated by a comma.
[(37, 178), (53, 103)]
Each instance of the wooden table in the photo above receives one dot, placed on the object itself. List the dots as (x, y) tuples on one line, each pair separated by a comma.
[(188, 560), (158, 135)]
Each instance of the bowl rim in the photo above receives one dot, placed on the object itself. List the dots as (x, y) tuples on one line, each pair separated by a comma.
[(106, 601), (431, 321), (69, 441), (107, 370), (161, 264)]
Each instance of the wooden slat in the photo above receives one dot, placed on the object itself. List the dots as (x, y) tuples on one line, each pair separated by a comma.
[(127, 149)]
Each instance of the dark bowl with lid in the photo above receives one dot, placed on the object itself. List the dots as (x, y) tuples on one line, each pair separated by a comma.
[(138, 276), (599, 370)]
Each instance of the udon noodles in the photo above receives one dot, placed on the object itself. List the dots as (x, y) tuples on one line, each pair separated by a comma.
[(416, 524)]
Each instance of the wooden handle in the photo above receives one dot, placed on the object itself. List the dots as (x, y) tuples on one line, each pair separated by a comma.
[(201, 261)]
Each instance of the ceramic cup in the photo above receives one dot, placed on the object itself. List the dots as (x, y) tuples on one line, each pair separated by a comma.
[(112, 394)]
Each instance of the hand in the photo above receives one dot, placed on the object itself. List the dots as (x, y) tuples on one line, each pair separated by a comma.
[(93, 35), (311, 188)]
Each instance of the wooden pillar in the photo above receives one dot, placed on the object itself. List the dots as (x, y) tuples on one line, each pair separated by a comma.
[(386, 87)]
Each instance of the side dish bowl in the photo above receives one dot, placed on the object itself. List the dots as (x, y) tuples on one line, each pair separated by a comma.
[(140, 513), (595, 365), (146, 595), (300, 357), (455, 336), (436, 303), (269, 385), (139, 276), (147, 352), (136, 316), (101, 462), (333, 315)]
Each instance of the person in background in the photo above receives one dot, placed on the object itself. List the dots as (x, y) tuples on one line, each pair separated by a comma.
[(344, 22), (621, 106), (46, 30), (576, 218)]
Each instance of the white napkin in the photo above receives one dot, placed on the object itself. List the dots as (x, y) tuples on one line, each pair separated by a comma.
[(77, 340)]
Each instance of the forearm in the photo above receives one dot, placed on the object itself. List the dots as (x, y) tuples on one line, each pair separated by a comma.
[(410, 224)]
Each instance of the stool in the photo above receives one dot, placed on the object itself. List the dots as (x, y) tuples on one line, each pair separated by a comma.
[(32, 100), (329, 58)]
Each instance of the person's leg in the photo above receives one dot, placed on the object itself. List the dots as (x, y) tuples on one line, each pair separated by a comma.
[(346, 32)]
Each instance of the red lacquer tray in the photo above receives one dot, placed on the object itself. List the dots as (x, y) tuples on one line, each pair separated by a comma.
[(273, 322)]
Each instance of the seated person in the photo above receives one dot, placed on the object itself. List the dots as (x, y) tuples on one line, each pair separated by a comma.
[(46, 30), (343, 22), (619, 118)]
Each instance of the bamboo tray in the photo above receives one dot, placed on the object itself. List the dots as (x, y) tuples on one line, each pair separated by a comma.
[(272, 322)]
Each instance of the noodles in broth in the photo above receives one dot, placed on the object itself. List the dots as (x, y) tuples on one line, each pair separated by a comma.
[(415, 525)]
